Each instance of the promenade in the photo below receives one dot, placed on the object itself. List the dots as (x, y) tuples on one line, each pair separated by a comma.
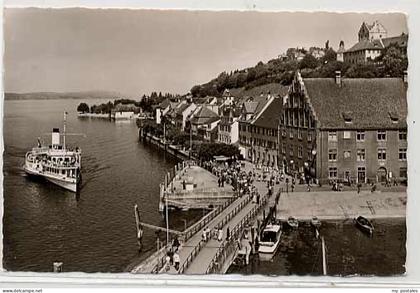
[(332, 205)]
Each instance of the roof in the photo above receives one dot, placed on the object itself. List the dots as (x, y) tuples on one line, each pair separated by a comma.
[(269, 118), (366, 45), (180, 109), (401, 40), (204, 116), (165, 103), (173, 104), (250, 107), (370, 103)]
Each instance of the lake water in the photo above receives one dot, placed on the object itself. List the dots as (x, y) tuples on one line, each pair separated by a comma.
[(92, 232)]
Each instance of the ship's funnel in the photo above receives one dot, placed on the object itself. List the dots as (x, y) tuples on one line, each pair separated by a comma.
[(55, 136)]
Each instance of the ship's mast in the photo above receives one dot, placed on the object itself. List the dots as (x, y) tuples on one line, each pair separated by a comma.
[(64, 130)]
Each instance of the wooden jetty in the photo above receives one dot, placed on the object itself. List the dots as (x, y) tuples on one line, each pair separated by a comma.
[(199, 256)]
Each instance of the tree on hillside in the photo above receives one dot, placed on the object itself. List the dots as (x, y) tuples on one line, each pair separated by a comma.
[(368, 70), (394, 63), (195, 90), (330, 55), (83, 107), (308, 61)]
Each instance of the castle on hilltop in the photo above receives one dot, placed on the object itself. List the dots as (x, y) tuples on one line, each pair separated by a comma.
[(373, 39)]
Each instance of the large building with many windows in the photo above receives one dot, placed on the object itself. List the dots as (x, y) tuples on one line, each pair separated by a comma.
[(372, 41), (346, 129)]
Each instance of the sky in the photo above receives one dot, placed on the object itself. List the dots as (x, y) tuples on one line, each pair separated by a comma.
[(135, 52)]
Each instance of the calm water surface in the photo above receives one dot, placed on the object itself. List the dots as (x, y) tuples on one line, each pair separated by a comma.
[(93, 232)]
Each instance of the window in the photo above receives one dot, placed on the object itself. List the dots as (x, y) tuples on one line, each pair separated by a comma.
[(300, 151), (403, 172), (402, 135), (402, 154), (309, 136), (360, 135), (291, 151), (283, 132), (299, 134), (347, 154), (291, 133), (347, 135), (381, 135), (283, 148), (361, 174), (361, 155), (381, 154), (332, 155), (310, 155), (332, 172), (332, 135)]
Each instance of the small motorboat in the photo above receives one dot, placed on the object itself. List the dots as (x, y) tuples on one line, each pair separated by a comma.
[(315, 222), (364, 224), (293, 222), (269, 241)]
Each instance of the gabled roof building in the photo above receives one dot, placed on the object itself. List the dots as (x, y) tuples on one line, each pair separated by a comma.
[(372, 41), (351, 130)]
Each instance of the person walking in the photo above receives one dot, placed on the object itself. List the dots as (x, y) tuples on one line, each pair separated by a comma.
[(176, 260), (175, 244), (171, 256), (359, 186), (373, 188), (167, 263), (204, 235), (220, 235)]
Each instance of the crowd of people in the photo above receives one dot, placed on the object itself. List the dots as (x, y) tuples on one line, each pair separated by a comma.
[(172, 255)]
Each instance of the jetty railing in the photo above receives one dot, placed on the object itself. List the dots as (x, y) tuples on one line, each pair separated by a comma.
[(223, 222), (205, 220), (231, 245), (187, 234)]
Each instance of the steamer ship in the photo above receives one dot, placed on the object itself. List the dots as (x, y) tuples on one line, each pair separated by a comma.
[(56, 163)]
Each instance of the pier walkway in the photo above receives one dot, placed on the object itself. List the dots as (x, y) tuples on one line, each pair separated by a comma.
[(236, 214), (213, 256)]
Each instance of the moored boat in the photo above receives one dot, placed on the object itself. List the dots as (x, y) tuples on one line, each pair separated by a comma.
[(364, 224), (315, 222), (269, 241), (293, 222), (56, 163)]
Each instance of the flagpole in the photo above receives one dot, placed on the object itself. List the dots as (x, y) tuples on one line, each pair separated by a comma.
[(64, 130)]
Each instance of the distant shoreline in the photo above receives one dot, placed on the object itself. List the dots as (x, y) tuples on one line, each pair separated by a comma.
[(57, 98), (63, 96)]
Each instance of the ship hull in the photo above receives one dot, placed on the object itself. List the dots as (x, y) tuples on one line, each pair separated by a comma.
[(66, 184)]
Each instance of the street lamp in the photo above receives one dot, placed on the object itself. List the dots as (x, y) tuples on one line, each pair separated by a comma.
[(313, 162)]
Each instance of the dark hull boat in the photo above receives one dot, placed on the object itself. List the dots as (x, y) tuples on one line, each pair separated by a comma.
[(364, 224)]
